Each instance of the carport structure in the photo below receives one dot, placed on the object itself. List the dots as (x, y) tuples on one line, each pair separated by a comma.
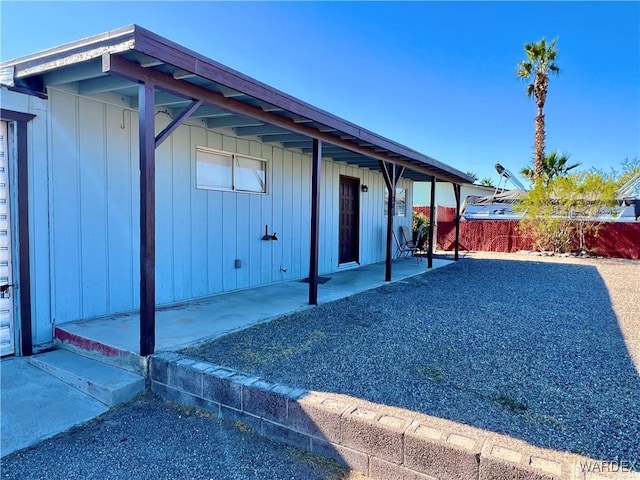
[(154, 72)]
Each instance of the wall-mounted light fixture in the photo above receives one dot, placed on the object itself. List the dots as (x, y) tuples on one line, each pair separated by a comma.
[(266, 235), (364, 188)]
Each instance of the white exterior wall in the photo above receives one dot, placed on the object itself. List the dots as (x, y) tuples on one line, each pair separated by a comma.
[(94, 215), (38, 167)]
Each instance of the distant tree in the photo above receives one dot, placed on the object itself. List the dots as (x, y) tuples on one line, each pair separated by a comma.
[(473, 175), (630, 168), (486, 182), (535, 69), (554, 165)]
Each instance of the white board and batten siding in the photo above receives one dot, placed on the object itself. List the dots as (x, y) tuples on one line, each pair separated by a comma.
[(93, 194)]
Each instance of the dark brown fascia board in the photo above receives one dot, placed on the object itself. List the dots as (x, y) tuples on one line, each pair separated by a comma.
[(113, 41), (134, 37), (118, 65)]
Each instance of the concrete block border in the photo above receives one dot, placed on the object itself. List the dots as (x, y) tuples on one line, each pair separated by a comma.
[(379, 441)]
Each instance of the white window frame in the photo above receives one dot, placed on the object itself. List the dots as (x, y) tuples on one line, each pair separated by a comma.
[(205, 150), (234, 157)]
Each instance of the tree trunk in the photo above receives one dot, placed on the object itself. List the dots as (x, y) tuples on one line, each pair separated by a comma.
[(538, 162)]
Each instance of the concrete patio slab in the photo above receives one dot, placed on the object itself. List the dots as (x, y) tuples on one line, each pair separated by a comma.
[(195, 322)]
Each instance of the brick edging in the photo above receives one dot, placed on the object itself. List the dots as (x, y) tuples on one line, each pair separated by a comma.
[(381, 442)]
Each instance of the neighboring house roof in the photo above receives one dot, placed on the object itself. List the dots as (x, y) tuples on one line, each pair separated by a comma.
[(114, 62), (444, 193), (508, 197), (480, 189), (631, 189)]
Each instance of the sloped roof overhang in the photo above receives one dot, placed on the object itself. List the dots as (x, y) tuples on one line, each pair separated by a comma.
[(116, 61)]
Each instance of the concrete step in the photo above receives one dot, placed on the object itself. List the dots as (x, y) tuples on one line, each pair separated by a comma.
[(95, 350), (107, 384)]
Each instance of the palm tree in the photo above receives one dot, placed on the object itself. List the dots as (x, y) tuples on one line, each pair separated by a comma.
[(535, 69), (486, 182), (553, 165)]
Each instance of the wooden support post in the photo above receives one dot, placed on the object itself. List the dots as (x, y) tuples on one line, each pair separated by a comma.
[(456, 192), (146, 118), (391, 174), (388, 173), (315, 221), (431, 222)]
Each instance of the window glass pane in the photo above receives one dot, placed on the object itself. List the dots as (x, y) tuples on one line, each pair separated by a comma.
[(386, 201), (213, 169), (250, 175), (401, 202)]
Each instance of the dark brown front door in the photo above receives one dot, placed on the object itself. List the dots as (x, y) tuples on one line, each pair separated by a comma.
[(349, 218)]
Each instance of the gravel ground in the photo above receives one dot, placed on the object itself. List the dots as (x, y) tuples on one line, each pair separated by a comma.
[(539, 349), (154, 439)]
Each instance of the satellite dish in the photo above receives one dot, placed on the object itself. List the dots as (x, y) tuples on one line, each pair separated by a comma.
[(503, 172)]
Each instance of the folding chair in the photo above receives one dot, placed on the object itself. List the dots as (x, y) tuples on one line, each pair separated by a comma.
[(406, 246)]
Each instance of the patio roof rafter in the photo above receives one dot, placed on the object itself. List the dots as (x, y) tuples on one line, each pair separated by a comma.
[(82, 61), (120, 66)]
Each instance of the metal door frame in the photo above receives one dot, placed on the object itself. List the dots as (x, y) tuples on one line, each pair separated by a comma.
[(18, 164), (356, 247)]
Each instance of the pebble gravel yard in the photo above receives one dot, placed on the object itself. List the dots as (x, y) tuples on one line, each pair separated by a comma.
[(546, 350)]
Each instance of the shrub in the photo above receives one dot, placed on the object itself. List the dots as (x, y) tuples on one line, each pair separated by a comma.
[(420, 219), (561, 213)]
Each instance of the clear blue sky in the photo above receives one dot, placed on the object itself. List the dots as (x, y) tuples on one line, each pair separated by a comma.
[(437, 77)]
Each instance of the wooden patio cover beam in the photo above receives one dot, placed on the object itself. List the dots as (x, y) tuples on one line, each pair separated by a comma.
[(117, 65)]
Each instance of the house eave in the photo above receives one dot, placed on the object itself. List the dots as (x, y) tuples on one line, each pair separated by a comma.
[(81, 60)]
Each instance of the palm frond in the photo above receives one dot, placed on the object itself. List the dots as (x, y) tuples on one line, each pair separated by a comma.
[(530, 90), (524, 69), (527, 172)]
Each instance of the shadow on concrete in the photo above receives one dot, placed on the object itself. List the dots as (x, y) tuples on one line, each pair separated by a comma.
[(528, 349)]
